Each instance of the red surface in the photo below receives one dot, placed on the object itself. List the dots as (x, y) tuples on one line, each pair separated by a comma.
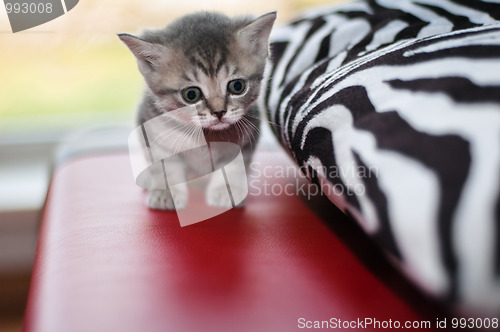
[(107, 263)]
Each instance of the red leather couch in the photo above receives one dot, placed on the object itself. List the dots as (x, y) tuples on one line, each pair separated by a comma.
[(105, 262)]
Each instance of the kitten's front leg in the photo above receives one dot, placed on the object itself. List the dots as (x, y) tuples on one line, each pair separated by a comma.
[(176, 197), (218, 193)]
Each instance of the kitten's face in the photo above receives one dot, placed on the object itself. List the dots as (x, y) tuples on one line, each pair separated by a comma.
[(221, 95), (219, 75)]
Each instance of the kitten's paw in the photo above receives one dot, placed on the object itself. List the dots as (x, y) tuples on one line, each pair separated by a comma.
[(162, 199), (218, 196), (239, 195)]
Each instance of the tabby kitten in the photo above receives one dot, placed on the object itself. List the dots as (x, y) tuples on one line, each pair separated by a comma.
[(213, 64)]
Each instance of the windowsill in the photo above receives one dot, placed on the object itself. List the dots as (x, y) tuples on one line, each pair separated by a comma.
[(24, 175), (24, 178)]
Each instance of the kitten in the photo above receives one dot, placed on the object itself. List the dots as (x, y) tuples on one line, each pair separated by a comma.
[(213, 64)]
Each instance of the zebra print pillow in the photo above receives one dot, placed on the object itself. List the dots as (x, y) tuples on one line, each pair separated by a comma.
[(393, 107)]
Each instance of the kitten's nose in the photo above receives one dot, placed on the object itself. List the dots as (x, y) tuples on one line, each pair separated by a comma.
[(220, 114)]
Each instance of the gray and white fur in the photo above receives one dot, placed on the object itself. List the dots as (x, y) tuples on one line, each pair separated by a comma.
[(214, 63)]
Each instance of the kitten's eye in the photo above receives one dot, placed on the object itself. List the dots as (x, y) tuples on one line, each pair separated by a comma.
[(191, 95), (236, 87)]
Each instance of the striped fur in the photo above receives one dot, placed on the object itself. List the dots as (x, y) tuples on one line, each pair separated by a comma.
[(411, 90)]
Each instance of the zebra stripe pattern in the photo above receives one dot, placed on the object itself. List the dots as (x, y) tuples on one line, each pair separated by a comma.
[(410, 91)]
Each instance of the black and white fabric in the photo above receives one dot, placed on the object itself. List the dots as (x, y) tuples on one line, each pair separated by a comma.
[(393, 108)]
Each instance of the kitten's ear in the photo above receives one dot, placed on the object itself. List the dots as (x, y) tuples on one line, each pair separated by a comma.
[(255, 35), (143, 50)]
